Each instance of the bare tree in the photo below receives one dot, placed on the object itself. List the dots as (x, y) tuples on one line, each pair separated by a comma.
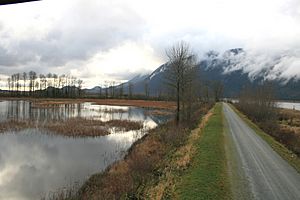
[(218, 88), (79, 82), (42, 79), (17, 82), (259, 103), (179, 74), (24, 82), (62, 82), (55, 82), (32, 77), (9, 84)]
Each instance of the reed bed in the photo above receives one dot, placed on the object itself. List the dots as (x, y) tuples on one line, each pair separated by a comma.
[(46, 102), (74, 127), (107, 110), (162, 112), (77, 127), (15, 125), (288, 132)]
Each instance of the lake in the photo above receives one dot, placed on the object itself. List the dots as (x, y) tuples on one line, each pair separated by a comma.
[(279, 104), (35, 163), (288, 105)]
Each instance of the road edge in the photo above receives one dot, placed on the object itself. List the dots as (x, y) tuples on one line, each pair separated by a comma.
[(279, 148), (238, 179)]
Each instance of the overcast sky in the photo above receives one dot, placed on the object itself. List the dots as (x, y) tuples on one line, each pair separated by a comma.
[(99, 40)]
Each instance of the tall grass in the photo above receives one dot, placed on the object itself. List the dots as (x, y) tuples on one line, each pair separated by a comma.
[(144, 163), (74, 127)]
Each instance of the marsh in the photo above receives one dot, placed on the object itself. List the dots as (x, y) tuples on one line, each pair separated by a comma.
[(35, 162)]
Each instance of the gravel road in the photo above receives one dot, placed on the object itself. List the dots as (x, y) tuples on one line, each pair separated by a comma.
[(269, 176)]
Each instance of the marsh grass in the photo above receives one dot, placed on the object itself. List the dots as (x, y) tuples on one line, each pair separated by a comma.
[(69, 192), (289, 129), (74, 127), (143, 165), (15, 125), (111, 110), (161, 112), (77, 127), (44, 102)]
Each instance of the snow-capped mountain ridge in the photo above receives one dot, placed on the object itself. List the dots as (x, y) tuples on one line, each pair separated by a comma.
[(235, 68)]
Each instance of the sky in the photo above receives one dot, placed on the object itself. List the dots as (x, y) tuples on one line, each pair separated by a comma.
[(99, 40)]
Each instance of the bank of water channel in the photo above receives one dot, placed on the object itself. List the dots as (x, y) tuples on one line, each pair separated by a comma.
[(34, 163)]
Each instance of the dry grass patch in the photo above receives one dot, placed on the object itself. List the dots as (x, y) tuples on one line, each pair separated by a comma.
[(87, 127), (160, 112), (74, 127), (15, 125), (123, 178), (148, 170), (288, 132), (289, 117), (77, 127), (179, 161), (124, 125), (48, 102)]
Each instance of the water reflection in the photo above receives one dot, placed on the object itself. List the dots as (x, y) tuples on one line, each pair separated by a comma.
[(34, 163), (289, 105), (25, 110)]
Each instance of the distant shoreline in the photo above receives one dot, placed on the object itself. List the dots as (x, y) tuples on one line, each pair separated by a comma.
[(114, 102)]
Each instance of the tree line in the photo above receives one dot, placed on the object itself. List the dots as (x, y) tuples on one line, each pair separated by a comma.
[(259, 104), (39, 85), (181, 80)]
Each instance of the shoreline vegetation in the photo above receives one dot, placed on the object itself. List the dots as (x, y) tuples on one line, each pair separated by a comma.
[(74, 127), (142, 171), (50, 102)]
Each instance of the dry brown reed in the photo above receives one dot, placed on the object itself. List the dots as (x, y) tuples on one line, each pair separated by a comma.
[(74, 127), (144, 163)]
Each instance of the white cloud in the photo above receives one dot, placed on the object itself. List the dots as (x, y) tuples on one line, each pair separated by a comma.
[(114, 39)]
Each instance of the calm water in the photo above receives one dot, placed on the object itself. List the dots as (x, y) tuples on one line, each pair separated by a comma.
[(289, 105), (280, 104), (33, 164)]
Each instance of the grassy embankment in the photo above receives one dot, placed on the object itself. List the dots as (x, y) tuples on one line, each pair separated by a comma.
[(283, 151), (207, 176), (170, 163), (140, 174)]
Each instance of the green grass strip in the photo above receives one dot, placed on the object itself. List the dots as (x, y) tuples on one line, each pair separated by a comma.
[(207, 177), (285, 153)]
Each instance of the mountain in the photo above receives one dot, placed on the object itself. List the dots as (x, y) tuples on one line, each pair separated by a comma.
[(228, 68), (94, 90)]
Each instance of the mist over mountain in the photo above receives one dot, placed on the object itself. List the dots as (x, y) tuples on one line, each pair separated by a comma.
[(236, 68)]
